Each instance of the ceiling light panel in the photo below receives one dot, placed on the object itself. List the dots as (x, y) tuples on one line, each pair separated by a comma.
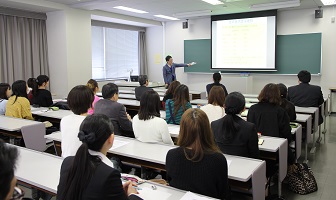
[(166, 17), (130, 9), (328, 2), (213, 2)]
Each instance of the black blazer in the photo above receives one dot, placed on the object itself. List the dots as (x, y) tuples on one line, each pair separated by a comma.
[(244, 142), (104, 184), (270, 120), (140, 90), (289, 108), (306, 95), (209, 86), (115, 111)]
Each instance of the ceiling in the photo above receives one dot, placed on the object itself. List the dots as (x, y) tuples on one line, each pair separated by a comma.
[(175, 7), (153, 7)]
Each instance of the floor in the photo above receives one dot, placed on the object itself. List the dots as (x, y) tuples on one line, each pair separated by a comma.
[(323, 164)]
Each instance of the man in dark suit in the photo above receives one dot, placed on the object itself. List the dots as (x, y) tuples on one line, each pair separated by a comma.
[(304, 94), (110, 107), (143, 80), (169, 70)]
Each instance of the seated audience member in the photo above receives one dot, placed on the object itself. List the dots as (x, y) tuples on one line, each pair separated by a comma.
[(93, 85), (216, 78), (234, 135), (178, 105), (170, 91), (41, 96), (5, 93), (8, 157), (269, 118), (109, 106), (18, 105), (80, 99), (90, 174), (285, 104), (143, 80), (197, 165), (30, 83), (304, 94), (215, 107), (147, 124)]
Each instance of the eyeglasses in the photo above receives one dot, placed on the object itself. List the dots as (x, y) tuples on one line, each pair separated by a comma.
[(18, 193)]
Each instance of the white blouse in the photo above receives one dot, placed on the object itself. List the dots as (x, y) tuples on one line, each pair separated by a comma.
[(213, 112)]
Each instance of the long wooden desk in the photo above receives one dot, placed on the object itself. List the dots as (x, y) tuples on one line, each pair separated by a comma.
[(242, 171), (42, 171)]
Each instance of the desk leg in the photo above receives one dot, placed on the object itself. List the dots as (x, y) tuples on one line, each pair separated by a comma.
[(11, 140), (330, 97)]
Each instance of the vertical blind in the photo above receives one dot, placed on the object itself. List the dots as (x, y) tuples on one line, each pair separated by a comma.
[(114, 53)]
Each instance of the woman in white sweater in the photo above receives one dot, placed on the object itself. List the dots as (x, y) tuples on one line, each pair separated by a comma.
[(215, 107), (147, 124)]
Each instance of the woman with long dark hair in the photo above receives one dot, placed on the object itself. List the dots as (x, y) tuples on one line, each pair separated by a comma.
[(147, 124), (234, 135), (5, 93), (18, 105), (90, 174), (197, 165), (41, 96), (178, 105)]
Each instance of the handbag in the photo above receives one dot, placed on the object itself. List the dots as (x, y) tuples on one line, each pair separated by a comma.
[(301, 179)]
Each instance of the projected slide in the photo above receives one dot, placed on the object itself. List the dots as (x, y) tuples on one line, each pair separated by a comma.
[(247, 43)]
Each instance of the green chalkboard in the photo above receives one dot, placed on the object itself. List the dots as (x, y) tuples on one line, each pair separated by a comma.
[(293, 53)]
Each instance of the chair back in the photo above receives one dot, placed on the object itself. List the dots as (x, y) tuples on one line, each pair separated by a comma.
[(33, 136)]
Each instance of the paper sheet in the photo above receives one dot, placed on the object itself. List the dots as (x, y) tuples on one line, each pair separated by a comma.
[(192, 196), (150, 194), (174, 129), (118, 143)]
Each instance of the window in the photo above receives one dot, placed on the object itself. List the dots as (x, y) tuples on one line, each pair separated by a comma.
[(114, 53)]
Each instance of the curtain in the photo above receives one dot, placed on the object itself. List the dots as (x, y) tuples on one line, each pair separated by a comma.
[(23, 48), (142, 53)]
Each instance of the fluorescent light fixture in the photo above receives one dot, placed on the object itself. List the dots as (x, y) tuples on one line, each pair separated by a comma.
[(276, 5), (130, 9), (328, 2), (166, 17), (213, 2), (197, 13)]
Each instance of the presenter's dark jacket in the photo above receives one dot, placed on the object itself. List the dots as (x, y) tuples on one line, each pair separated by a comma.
[(209, 86), (117, 113), (140, 90), (104, 184), (270, 120), (169, 72), (244, 142), (306, 95)]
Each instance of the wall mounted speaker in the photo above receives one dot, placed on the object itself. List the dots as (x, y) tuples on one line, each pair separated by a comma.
[(185, 25), (318, 14)]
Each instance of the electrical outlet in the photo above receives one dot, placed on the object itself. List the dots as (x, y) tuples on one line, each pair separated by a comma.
[(333, 19)]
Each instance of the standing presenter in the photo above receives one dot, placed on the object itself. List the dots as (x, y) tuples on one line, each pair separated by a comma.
[(169, 70)]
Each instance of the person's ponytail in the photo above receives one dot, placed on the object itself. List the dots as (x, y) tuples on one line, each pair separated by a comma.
[(79, 175)]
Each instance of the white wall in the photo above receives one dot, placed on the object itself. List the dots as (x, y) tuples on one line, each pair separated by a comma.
[(289, 22), (69, 49), (57, 53)]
